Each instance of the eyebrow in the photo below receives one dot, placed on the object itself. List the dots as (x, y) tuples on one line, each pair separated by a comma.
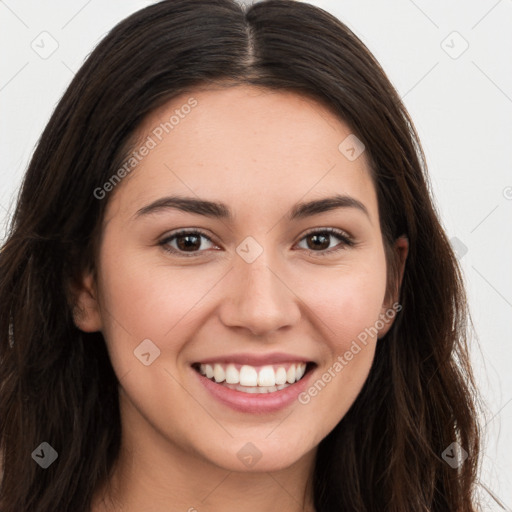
[(221, 211)]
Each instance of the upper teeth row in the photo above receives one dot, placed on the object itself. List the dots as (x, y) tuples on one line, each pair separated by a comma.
[(250, 376)]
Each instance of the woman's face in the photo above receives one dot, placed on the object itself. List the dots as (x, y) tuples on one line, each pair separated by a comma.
[(254, 290)]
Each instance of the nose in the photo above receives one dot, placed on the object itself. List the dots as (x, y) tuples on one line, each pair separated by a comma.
[(258, 299)]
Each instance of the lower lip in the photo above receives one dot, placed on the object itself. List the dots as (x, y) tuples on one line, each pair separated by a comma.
[(255, 403)]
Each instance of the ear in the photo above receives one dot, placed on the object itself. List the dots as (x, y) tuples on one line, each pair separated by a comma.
[(391, 307), (86, 310)]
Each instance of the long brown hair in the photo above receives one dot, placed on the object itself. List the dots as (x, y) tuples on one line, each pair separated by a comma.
[(57, 384)]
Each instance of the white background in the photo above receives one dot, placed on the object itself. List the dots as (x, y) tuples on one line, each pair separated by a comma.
[(461, 107)]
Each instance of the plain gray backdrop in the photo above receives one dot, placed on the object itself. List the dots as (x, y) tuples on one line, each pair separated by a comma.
[(451, 64)]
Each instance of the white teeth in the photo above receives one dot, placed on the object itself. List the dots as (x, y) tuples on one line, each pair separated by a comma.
[(248, 376), (290, 374), (232, 376), (280, 376), (266, 379), (266, 376), (218, 373)]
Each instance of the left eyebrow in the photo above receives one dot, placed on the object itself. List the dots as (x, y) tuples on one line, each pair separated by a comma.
[(221, 211), (301, 210)]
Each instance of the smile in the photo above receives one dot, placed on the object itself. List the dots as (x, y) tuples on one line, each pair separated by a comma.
[(253, 379)]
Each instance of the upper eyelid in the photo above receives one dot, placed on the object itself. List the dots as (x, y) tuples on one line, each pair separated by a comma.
[(340, 233), (186, 231), (330, 230)]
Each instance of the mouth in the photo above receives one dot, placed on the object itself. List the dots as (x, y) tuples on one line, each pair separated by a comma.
[(246, 378)]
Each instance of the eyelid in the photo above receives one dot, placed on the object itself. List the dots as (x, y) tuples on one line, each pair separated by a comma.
[(344, 235), (346, 240), (183, 231)]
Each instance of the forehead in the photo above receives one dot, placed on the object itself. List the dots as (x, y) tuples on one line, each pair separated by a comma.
[(248, 144)]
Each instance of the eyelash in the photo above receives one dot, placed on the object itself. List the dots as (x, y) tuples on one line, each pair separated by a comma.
[(346, 241)]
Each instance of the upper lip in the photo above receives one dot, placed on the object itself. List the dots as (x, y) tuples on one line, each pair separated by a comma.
[(256, 359)]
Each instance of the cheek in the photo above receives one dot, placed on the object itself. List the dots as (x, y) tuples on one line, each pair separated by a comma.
[(346, 302), (148, 299)]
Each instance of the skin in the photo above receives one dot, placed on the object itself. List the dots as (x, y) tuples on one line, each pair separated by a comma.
[(260, 152)]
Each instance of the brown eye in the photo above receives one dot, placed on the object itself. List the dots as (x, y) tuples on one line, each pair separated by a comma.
[(185, 242), (188, 242), (319, 241)]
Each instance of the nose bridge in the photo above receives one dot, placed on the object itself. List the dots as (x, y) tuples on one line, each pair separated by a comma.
[(258, 298)]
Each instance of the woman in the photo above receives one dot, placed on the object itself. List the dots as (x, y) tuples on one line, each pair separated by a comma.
[(226, 284)]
